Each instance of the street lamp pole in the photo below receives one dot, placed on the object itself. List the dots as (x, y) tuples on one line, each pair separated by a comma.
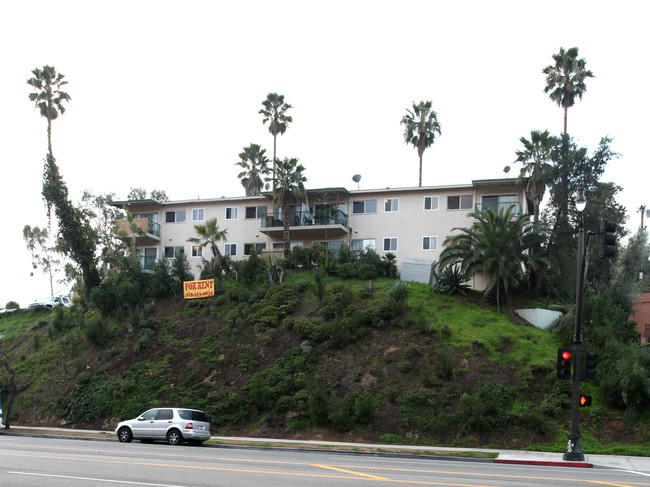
[(574, 447)]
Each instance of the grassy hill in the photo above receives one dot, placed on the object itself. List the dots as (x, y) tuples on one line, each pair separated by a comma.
[(390, 363)]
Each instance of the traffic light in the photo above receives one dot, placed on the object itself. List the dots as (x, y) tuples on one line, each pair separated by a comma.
[(607, 239), (564, 363), (590, 365), (585, 400)]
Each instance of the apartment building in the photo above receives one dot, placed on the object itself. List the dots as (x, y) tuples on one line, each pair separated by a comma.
[(411, 223)]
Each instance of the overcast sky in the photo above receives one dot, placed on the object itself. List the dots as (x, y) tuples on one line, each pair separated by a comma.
[(166, 94)]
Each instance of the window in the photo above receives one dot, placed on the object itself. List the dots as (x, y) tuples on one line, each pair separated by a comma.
[(429, 243), (231, 249), (430, 203), (164, 414), (463, 202), (231, 213), (497, 202), (368, 206), (362, 244), (198, 214), (258, 247), (391, 205), (177, 216), (255, 211), (171, 252), (390, 244), (197, 251)]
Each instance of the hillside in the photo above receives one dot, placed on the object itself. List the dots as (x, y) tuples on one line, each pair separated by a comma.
[(389, 364)]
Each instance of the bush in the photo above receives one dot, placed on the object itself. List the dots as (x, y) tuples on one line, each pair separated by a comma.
[(319, 409), (451, 281), (485, 408), (314, 329), (348, 271), (278, 302), (95, 330), (162, 283), (367, 271)]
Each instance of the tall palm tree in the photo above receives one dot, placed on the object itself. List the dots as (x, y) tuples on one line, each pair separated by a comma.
[(49, 98), (421, 128), (495, 245), (566, 79), (210, 234), (255, 164), (535, 158), (288, 187), (274, 111)]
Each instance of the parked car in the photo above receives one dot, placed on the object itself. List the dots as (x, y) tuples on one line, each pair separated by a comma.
[(52, 301), (174, 425)]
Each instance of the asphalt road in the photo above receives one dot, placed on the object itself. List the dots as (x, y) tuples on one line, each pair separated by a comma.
[(28, 461)]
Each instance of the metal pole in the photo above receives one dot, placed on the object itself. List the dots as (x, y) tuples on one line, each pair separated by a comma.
[(574, 448)]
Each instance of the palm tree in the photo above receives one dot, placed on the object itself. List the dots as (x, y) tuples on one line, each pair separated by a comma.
[(274, 112), (421, 128), (209, 235), (535, 158), (566, 79), (255, 165), (496, 245), (288, 187), (49, 98)]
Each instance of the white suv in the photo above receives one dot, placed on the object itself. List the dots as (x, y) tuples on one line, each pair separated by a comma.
[(175, 425), (51, 302)]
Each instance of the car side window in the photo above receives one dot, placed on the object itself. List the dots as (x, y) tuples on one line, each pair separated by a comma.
[(165, 414), (149, 415)]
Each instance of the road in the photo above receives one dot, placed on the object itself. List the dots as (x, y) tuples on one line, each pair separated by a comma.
[(28, 462)]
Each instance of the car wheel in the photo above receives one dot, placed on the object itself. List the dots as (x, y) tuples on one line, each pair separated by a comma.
[(174, 437), (124, 435)]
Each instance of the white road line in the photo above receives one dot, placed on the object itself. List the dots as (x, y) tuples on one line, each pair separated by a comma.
[(638, 473), (94, 479)]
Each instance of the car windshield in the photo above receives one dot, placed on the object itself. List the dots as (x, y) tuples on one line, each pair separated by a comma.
[(189, 415)]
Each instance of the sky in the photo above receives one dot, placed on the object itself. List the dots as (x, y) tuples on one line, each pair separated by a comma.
[(165, 95)]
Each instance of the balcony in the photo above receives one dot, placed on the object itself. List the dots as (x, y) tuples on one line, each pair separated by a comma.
[(499, 206), (148, 228), (314, 224)]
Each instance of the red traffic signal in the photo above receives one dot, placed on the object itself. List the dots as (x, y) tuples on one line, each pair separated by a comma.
[(564, 356), (585, 400)]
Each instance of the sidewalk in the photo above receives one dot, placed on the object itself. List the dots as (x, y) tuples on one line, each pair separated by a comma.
[(522, 457)]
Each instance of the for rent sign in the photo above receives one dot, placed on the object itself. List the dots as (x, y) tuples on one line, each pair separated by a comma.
[(198, 289)]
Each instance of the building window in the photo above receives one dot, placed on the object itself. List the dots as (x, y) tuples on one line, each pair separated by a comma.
[(255, 211), (429, 243), (430, 203), (197, 251), (368, 206), (177, 216), (391, 205), (231, 249), (497, 202), (390, 244), (362, 244), (231, 213), (171, 252), (258, 247), (463, 202), (198, 214)]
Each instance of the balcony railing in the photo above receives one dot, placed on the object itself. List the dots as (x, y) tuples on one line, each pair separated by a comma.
[(300, 218), (498, 206), (144, 224)]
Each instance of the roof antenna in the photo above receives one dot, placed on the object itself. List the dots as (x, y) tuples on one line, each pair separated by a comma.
[(356, 178), (506, 170)]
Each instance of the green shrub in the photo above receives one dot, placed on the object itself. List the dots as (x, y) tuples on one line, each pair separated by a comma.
[(162, 283), (485, 408), (278, 302), (348, 270), (367, 271), (95, 330), (145, 340), (314, 329), (319, 409), (451, 281)]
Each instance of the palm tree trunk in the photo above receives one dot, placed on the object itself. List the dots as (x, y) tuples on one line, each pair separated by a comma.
[(274, 140), (566, 109), (285, 222), (49, 136), (420, 184)]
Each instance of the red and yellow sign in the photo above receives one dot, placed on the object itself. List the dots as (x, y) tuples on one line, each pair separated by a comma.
[(198, 289)]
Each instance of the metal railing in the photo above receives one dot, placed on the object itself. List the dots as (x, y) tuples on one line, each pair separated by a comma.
[(153, 228), (300, 218), (498, 206)]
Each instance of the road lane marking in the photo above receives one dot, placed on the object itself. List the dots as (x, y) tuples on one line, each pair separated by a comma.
[(375, 477), (93, 479)]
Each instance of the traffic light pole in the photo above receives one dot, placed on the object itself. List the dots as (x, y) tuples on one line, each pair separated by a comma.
[(574, 448)]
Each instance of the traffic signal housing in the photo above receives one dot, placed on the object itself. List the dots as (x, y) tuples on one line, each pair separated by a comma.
[(607, 239), (590, 365), (585, 400), (564, 356)]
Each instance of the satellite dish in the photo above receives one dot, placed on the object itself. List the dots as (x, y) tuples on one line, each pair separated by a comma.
[(267, 186), (356, 178), (506, 170)]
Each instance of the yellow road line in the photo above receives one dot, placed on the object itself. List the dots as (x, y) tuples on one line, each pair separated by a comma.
[(375, 477)]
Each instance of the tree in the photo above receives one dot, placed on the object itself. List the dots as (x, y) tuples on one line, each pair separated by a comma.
[(566, 79), (14, 390), (421, 128), (255, 164), (43, 251), (141, 194), (288, 187), (49, 98), (210, 234), (496, 245), (535, 159), (103, 218), (274, 111)]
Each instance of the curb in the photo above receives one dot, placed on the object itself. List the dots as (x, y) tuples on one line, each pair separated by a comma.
[(547, 463)]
